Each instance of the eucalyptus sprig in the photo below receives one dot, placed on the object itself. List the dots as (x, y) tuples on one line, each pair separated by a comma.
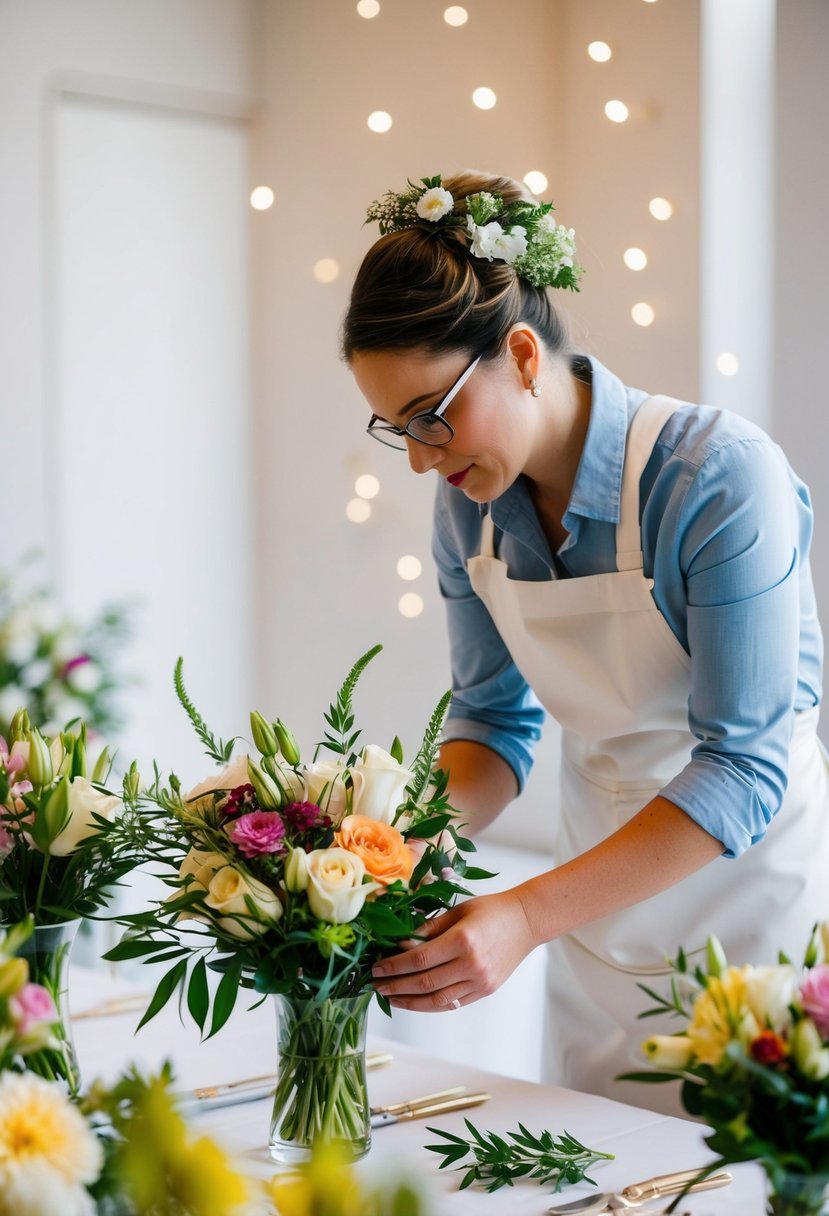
[(544, 1158)]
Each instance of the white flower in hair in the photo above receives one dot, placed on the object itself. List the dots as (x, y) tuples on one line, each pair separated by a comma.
[(434, 204), (493, 241)]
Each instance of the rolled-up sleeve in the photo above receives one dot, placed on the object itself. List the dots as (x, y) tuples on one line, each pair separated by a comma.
[(741, 530), (491, 703)]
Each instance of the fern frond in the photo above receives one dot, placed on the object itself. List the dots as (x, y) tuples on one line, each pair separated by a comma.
[(217, 749), (424, 761)]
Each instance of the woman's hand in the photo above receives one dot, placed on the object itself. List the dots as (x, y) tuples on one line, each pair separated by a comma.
[(469, 952)]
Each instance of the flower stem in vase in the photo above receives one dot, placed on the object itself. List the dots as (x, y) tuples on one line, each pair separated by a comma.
[(321, 1091), (47, 953)]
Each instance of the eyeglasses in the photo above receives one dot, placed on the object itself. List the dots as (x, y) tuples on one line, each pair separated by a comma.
[(429, 427)]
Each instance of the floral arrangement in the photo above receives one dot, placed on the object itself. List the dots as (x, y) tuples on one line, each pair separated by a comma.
[(522, 234), (295, 878), (27, 1011), (63, 842), (753, 1060), (59, 670)]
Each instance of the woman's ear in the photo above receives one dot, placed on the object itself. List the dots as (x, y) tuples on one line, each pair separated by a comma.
[(525, 348)]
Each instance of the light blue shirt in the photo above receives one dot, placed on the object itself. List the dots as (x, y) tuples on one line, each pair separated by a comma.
[(726, 530)]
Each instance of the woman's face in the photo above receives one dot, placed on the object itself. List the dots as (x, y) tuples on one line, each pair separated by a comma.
[(491, 416)]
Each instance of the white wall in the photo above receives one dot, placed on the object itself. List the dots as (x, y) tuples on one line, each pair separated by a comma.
[(124, 337)]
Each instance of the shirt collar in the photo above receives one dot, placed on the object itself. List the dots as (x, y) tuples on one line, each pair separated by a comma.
[(598, 484)]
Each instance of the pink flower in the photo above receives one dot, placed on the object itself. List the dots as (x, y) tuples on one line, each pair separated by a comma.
[(258, 832), (6, 841), (814, 997), (30, 1006), (241, 798)]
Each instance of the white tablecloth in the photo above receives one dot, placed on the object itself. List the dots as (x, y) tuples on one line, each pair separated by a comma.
[(644, 1143)]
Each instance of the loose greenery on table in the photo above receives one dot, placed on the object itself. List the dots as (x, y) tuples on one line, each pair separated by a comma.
[(545, 1158)]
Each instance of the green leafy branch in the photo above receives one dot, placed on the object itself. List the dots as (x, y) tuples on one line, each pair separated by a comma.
[(340, 716), (215, 748), (544, 1158), (424, 761)]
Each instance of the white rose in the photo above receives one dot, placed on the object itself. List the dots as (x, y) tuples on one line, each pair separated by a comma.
[(84, 800), (229, 891), (233, 775), (336, 891), (325, 786), (770, 991), (434, 204), (382, 784)]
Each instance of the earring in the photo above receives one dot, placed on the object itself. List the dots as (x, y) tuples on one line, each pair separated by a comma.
[(535, 387)]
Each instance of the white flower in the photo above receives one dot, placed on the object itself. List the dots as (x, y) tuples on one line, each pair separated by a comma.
[(545, 223), (84, 800), (202, 864), (229, 892), (434, 204), (36, 673), (324, 782), (379, 784), (11, 698), (85, 677), (233, 775), (44, 1139), (671, 1051), (492, 241), (770, 991), (336, 890)]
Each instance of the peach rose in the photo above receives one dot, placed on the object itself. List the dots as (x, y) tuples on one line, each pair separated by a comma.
[(380, 846)]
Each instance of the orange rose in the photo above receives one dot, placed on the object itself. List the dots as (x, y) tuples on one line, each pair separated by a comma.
[(381, 848)]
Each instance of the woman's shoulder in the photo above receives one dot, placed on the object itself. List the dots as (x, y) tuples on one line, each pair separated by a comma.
[(698, 435)]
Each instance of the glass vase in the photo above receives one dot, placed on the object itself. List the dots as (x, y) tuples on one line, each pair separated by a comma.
[(47, 953), (321, 1090), (798, 1195)]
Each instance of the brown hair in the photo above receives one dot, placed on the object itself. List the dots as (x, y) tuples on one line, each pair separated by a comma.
[(420, 288)]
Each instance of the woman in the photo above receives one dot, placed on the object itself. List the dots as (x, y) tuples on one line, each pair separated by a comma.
[(640, 567)]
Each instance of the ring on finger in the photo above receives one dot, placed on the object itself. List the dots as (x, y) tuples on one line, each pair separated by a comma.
[(455, 1004)]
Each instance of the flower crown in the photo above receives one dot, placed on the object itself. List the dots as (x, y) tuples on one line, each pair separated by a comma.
[(522, 234)]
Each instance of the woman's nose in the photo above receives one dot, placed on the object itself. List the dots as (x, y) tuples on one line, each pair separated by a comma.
[(422, 456)]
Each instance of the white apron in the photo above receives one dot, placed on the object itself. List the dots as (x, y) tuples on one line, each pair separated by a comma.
[(604, 662)]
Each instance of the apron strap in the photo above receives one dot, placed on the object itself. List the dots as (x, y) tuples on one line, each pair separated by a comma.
[(643, 433)]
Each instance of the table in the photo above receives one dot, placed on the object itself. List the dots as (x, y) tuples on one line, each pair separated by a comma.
[(644, 1143)]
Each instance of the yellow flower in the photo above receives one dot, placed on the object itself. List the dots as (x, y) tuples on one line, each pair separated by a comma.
[(40, 1128), (326, 1186), (165, 1169), (720, 1015)]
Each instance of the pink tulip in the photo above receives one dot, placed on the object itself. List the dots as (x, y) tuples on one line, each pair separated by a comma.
[(30, 1006), (814, 997)]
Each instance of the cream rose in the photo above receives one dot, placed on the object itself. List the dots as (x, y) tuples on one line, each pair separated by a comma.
[(233, 775), (229, 892), (325, 786), (336, 886), (84, 801), (202, 864), (379, 784)]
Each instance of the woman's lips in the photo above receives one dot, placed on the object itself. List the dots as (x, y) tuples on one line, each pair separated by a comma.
[(455, 479)]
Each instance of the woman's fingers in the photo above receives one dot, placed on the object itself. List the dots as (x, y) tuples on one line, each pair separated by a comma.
[(469, 953)]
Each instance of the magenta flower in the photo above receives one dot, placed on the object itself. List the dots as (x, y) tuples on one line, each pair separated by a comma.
[(240, 799), (258, 832), (31, 1006), (814, 997), (304, 815)]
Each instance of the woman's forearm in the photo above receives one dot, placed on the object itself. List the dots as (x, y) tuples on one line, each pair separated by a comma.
[(656, 849), (481, 783)]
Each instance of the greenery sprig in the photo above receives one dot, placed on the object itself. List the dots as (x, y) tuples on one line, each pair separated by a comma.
[(340, 716), (545, 1158), (215, 748)]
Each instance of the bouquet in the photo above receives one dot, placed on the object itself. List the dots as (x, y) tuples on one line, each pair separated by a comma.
[(299, 877), (753, 1060), (63, 845), (59, 670)]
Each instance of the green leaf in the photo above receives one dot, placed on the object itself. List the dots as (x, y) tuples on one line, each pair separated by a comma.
[(198, 997), (166, 987), (215, 748), (225, 997)]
